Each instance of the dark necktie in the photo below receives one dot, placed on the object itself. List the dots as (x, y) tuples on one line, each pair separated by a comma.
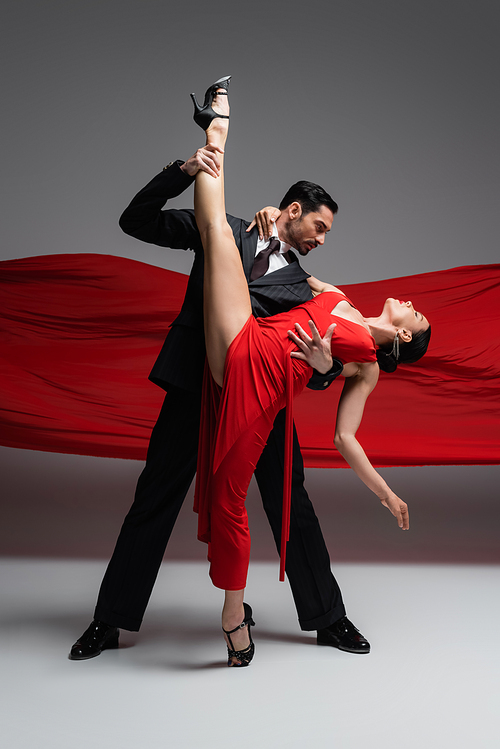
[(261, 262)]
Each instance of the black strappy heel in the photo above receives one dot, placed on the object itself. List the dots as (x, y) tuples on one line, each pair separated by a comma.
[(204, 115), (246, 655)]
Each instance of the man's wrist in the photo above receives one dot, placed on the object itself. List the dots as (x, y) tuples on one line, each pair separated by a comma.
[(321, 381), (177, 170), (177, 164)]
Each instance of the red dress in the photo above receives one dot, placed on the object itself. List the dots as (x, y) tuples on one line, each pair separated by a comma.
[(260, 378)]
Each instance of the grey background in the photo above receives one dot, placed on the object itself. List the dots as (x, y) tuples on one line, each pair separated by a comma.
[(392, 106)]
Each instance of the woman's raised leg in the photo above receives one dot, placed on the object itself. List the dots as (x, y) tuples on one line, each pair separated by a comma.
[(227, 307), (226, 299)]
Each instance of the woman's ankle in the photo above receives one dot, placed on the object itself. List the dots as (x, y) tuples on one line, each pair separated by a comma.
[(217, 135), (233, 612), (218, 128)]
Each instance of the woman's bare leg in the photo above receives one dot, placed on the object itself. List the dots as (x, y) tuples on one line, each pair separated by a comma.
[(226, 306), (226, 302)]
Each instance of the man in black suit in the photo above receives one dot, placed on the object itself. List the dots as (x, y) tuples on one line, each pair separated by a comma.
[(307, 214)]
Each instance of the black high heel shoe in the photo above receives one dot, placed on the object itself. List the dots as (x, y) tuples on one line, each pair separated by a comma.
[(246, 655), (204, 115)]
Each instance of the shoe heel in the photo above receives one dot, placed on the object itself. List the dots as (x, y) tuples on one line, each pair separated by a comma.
[(248, 609), (197, 108)]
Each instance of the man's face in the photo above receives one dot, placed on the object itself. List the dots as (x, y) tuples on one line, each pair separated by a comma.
[(305, 232)]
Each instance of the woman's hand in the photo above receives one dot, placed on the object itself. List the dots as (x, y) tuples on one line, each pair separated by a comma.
[(265, 220), (316, 351), (398, 508)]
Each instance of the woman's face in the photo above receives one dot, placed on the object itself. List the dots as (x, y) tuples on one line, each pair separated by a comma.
[(404, 315)]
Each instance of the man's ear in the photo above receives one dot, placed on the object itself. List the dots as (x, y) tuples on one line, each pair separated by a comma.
[(294, 210)]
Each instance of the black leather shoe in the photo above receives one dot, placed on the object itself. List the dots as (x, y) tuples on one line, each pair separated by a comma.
[(98, 637), (343, 635)]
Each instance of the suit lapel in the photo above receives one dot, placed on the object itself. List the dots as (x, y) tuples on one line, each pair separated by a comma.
[(248, 245)]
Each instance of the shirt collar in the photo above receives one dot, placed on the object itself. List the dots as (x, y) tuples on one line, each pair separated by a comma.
[(284, 245)]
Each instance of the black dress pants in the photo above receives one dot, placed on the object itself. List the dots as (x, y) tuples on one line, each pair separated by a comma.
[(161, 489)]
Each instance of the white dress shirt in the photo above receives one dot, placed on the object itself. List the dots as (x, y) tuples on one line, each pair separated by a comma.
[(278, 259)]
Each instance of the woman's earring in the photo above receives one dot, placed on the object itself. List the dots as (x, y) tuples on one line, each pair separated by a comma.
[(395, 347)]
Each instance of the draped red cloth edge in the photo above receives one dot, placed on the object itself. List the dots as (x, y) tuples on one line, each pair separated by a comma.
[(79, 334)]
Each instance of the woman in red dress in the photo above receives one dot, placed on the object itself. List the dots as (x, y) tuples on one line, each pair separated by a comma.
[(254, 370)]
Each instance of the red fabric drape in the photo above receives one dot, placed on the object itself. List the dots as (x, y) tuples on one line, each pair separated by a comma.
[(79, 334), (445, 408)]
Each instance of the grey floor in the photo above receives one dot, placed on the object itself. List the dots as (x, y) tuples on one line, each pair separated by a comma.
[(431, 680), (428, 601)]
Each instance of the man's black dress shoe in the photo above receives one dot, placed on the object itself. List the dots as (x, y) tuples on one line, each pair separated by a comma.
[(343, 635), (98, 637)]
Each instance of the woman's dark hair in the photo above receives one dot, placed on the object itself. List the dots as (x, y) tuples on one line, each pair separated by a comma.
[(310, 196), (408, 352)]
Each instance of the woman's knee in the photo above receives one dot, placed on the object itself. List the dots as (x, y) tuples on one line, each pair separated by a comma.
[(215, 231)]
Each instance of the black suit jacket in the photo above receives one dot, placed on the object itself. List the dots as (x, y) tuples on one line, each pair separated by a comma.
[(181, 359)]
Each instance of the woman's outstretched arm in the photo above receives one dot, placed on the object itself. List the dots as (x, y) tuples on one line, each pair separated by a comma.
[(350, 412)]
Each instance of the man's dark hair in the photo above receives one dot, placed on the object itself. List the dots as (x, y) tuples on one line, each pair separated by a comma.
[(310, 196)]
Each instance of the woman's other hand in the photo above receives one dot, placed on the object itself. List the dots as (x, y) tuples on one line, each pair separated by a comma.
[(399, 509), (316, 351), (265, 220)]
